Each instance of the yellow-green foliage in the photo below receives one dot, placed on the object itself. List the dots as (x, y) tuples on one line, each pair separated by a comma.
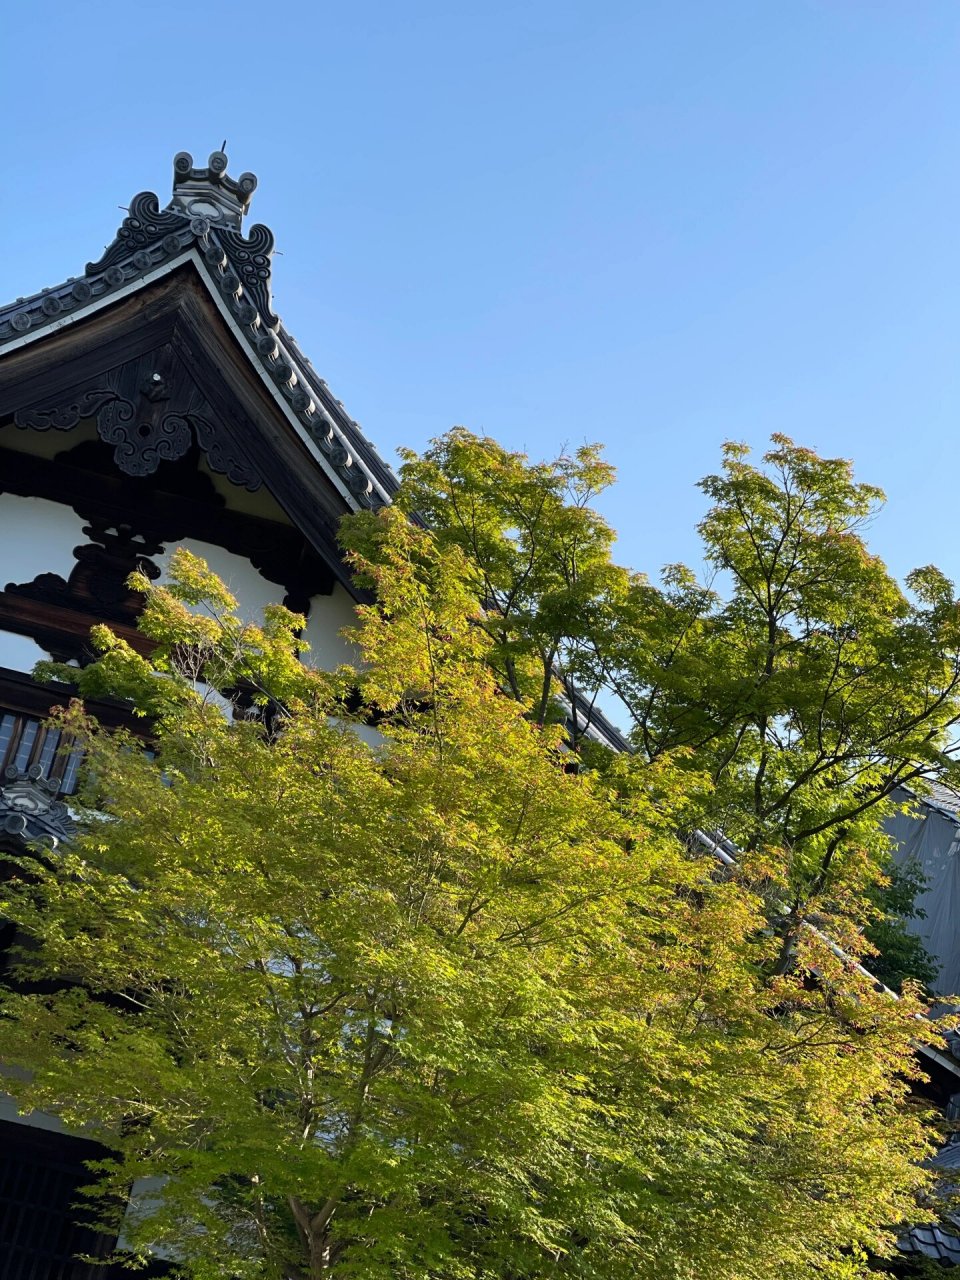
[(800, 678), (439, 1008)]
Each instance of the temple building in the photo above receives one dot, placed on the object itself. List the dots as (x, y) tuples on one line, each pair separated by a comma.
[(154, 401)]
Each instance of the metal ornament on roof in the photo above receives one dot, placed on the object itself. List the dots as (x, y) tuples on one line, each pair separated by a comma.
[(210, 192), (205, 211)]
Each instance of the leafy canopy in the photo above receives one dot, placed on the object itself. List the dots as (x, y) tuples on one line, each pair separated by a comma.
[(798, 675), (459, 1002)]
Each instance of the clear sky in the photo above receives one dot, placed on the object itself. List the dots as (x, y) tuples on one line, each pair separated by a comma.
[(657, 225)]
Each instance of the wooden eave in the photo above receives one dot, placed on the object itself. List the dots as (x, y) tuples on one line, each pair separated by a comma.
[(177, 311), (191, 283)]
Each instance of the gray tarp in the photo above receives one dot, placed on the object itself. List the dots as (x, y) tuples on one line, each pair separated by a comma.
[(932, 839)]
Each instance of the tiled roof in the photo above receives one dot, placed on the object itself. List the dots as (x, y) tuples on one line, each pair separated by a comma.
[(936, 795), (944, 798), (202, 222), (939, 1243)]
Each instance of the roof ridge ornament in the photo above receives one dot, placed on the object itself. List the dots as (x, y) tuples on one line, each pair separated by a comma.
[(206, 210), (210, 192), (30, 809)]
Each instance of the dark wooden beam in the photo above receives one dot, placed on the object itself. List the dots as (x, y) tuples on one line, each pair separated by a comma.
[(23, 695), (222, 367), (60, 361), (278, 551), (65, 633)]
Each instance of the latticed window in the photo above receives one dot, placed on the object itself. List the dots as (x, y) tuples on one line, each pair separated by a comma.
[(41, 1174), (30, 745), (26, 744)]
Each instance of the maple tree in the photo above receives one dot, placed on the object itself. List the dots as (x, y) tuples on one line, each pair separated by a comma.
[(465, 1000), (796, 673)]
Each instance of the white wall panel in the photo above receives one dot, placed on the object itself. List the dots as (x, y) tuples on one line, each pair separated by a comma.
[(328, 616), (252, 590), (36, 536)]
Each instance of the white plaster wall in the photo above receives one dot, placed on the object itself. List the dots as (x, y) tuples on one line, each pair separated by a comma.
[(144, 1200), (33, 1119), (36, 536), (366, 733), (328, 616)]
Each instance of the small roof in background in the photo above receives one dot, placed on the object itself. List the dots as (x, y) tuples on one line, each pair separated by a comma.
[(938, 1243), (937, 795)]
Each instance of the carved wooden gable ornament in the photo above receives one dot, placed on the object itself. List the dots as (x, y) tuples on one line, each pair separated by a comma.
[(133, 346)]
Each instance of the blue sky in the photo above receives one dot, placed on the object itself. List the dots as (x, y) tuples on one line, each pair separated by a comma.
[(657, 225)]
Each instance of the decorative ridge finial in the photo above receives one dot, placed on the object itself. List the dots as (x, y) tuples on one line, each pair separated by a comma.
[(210, 192)]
